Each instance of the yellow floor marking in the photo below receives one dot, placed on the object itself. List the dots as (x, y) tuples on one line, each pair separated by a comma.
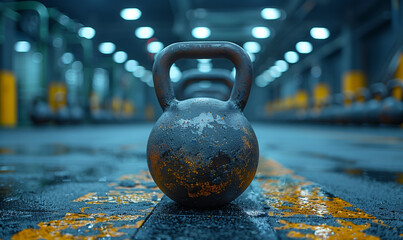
[(291, 195), (399, 178), (99, 225), (126, 195), (346, 230)]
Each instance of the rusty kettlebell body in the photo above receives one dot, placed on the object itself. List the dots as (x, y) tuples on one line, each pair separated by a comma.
[(202, 152)]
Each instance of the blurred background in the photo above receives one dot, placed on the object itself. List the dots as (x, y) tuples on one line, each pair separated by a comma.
[(90, 61)]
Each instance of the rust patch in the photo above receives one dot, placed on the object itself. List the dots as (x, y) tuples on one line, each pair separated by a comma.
[(346, 230)]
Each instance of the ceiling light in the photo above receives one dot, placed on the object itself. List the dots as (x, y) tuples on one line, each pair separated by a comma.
[(155, 47), (139, 72), (175, 73), (86, 32), (291, 57), (320, 33), (131, 65), (261, 81), (144, 32), (274, 72), (252, 47), (67, 58), (283, 65), (260, 32), (119, 57), (130, 13), (304, 47), (201, 32), (270, 13), (22, 46), (106, 47)]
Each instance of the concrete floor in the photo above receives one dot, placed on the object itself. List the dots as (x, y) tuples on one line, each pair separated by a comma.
[(91, 182)]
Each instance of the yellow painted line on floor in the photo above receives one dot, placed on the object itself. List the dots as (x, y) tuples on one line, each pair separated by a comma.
[(98, 225), (292, 196)]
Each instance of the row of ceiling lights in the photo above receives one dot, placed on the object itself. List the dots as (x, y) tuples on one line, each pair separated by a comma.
[(291, 57), (199, 32)]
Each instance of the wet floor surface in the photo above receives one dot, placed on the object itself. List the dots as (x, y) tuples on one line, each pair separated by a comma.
[(91, 182)]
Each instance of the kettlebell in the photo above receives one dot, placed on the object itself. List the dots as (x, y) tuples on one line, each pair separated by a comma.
[(40, 112), (216, 83), (373, 107), (357, 113), (392, 106), (202, 152)]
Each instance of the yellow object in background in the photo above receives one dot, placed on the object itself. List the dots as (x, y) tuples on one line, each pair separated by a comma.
[(149, 112), (353, 81), (397, 93), (399, 69), (57, 94), (301, 99), (116, 106), (94, 102), (128, 108), (321, 93), (8, 99)]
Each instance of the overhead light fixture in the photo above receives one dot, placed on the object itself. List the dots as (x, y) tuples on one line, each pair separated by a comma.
[(204, 67), (304, 47), (86, 32), (270, 13), (175, 73), (274, 72), (155, 47), (252, 47), (22, 46), (131, 65), (119, 57), (260, 32), (130, 13), (106, 47), (263, 81), (320, 33), (139, 72), (201, 32), (283, 65), (291, 57), (67, 58), (144, 32)]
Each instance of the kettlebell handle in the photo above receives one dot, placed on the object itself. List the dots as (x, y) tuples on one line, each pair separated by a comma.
[(202, 50)]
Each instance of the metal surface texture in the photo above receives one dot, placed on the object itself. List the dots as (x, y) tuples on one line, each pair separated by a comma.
[(202, 152)]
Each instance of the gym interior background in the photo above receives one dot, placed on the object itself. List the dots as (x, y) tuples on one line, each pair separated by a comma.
[(77, 102), (88, 62)]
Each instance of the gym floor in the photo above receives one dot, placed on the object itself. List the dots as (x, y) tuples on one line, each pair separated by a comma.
[(92, 182)]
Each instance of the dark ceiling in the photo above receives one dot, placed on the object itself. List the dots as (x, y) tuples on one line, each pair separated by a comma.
[(229, 20)]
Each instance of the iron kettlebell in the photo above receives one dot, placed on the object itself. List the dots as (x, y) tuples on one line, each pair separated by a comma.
[(373, 107), (392, 106), (202, 152)]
